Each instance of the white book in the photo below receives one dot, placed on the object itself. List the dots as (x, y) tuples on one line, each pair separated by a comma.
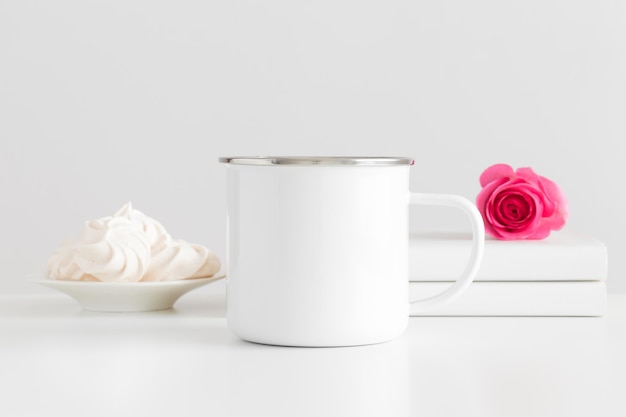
[(573, 298), (563, 256)]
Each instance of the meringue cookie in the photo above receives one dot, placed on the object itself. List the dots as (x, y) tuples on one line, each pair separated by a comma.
[(182, 260), (61, 265), (113, 249), (157, 236), (129, 247)]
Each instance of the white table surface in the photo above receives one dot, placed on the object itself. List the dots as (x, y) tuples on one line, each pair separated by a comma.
[(56, 359)]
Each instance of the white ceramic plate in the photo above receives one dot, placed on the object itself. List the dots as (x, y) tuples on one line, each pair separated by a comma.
[(127, 296)]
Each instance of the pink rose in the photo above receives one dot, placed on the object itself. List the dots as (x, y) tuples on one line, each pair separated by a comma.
[(520, 204)]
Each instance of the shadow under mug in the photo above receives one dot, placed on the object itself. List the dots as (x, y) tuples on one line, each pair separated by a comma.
[(318, 249)]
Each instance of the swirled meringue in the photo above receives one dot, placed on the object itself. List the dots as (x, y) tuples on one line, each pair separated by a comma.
[(61, 265), (113, 249), (129, 247), (109, 249), (182, 260), (157, 236)]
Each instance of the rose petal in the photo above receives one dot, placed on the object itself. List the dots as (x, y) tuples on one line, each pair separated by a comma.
[(526, 208), (502, 227), (494, 224), (487, 191), (527, 174), (541, 232), (554, 193), (495, 172), (482, 201), (555, 222), (515, 208)]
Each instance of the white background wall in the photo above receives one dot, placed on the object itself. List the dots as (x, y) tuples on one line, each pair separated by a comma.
[(107, 101)]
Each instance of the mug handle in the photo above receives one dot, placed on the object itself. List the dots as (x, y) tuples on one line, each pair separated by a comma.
[(478, 247)]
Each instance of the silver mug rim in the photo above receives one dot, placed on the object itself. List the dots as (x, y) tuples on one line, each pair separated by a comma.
[(317, 160)]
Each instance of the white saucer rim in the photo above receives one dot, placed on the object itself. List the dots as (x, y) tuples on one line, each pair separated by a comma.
[(178, 282)]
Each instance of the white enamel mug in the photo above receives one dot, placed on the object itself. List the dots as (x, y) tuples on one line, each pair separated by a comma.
[(318, 249)]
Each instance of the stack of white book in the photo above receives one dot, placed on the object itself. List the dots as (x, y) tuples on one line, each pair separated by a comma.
[(562, 275)]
